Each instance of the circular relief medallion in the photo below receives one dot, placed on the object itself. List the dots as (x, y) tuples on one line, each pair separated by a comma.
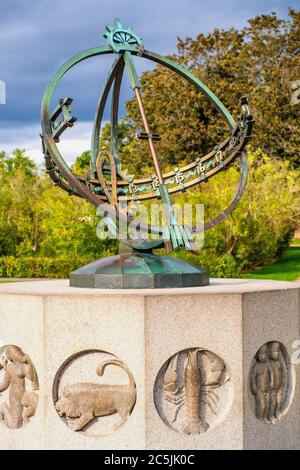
[(94, 392), (270, 382), (193, 391), (19, 387)]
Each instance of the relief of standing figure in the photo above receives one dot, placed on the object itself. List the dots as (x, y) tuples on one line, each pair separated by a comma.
[(260, 383), (22, 404), (279, 380), (268, 382)]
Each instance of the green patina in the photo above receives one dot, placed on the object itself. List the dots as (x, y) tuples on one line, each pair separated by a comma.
[(125, 45)]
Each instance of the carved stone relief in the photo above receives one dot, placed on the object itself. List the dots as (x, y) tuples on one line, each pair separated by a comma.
[(192, 391), (18, 386), (270, 382), (94, 392)]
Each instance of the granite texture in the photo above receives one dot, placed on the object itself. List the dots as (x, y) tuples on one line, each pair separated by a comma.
[(269, 316), (51, 322)]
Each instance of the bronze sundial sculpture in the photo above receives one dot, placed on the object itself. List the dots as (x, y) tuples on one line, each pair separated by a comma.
[(136, 266)]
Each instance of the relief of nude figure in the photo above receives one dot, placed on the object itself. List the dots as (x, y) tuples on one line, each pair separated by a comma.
[(15, 369), (269, 382)]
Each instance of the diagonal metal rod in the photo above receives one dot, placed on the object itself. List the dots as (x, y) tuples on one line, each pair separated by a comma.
[(162, 187), (148, 131), (114, 113), (174, 235)]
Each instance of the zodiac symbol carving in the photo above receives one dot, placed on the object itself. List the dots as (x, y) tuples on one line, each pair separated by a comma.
[(81, 403), (190, 382), (17, 367), (270, 382)]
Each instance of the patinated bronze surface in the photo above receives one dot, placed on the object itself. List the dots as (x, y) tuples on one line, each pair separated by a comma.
[(120, 188)]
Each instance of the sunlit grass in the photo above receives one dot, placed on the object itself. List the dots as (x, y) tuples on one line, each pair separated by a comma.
[(286, 269)]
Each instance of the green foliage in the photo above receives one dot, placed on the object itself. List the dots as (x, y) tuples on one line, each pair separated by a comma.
[(82, 163), (260, 61), (44, 232), (16, 163), (127, 145), (18, 190), (40, 266), (262, 225), (37, 219)]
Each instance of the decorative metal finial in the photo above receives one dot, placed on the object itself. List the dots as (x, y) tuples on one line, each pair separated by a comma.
[(121, 39)]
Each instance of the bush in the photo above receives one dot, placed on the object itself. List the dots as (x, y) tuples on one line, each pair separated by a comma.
[(45, 233), (11, 266), (261, 226)]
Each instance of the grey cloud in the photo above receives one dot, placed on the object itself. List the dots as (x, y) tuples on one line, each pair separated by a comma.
[(36, 37)]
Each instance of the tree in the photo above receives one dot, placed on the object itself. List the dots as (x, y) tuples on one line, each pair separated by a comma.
[(37, 219), (260, 61), (18, 190), (260, 227), (16, 162), (82, 163)]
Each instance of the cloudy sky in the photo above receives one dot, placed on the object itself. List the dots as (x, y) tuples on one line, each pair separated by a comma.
[(37, 36)]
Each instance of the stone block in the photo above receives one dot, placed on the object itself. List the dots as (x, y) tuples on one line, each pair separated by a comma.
[(191, 368)]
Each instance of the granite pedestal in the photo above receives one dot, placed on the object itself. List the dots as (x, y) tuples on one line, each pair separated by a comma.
[(211, 367)]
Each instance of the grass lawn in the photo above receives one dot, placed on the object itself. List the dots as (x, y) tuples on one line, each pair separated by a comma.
[(286, 269)]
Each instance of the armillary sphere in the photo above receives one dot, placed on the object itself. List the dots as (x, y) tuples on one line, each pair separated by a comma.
[(106, 182)]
